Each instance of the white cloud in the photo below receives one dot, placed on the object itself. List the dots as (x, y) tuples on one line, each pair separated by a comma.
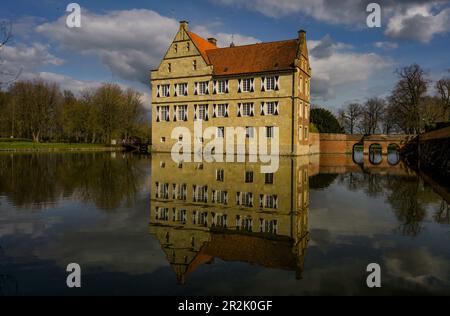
[(28, 57), (409, 19), (130, 43), (385, 45), (225, 39), (335, 65), (420, 23)]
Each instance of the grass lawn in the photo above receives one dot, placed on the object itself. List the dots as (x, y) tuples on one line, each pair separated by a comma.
[(62, 146)]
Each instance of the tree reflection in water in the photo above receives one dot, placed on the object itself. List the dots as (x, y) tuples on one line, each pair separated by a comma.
[(407, 195), (38, 180)]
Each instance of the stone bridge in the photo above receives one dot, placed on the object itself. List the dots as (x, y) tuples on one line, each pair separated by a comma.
[(344, 144)]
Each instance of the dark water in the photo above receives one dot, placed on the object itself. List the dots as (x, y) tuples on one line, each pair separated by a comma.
[(135, 225)]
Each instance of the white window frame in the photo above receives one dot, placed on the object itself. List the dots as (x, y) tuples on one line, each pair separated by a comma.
[(165, 90), (246, 84), (270, 83), (247, 109), (182, 113), (164, 109), (203, 88), (182, 89), (221, 110), (222, 86), (202, 109)]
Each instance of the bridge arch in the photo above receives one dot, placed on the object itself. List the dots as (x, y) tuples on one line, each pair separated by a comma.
[(375, 154), (393, 154), (358, 153)]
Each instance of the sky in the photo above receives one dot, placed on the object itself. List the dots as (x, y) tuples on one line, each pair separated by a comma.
[(121, 41)]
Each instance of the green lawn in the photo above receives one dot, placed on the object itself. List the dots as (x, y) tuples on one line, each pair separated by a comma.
[(62, 146)]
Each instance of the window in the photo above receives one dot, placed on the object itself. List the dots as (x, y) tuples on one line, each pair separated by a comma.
[(247, 85), (220, 132), (181, 192), (182, 89), (306, 133), (270, 83), (162, 191), (306, 111), (247, 199), (203, 218), (269, 131), (222, 86), (220, 175), (271, 108), (175, 48), (301, 109), (221, 221), (244, 199), (182, 112), (220, 197), (194, 65), (203, 112), (248, 224), (162, 213), (169, 67), (247, 109), (268, 226), (249, 177), (164, 113), (165, 90), (201, 194), (269, 178), (301, 84), (163, 139), (222, 110), (203, 87), (300, 133), (271, 201), (250, 132), (188, 46)]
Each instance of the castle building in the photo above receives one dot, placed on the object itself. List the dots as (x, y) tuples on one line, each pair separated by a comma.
[(257, 87)]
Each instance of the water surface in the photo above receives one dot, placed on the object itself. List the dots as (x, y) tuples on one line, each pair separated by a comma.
[(141, 225)]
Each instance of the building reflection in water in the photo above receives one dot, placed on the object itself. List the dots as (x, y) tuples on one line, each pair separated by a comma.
[(230, 211)]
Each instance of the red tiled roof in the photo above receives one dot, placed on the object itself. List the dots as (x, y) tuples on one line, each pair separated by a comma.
[(262, 57), (202, 45), (272, 56)]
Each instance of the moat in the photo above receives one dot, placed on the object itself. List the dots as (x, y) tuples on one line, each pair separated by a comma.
[(146, 225)]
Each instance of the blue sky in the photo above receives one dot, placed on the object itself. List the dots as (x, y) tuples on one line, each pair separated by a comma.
[(120, 41)]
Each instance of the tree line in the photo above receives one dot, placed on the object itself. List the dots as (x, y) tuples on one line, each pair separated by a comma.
[(40, 111), (409, 109)]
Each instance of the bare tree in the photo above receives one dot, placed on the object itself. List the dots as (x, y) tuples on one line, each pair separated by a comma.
[(443, 89), (407, 97), (372, 115), (349, 116), (6, 76)]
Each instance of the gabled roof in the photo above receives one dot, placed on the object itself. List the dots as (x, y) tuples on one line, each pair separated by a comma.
[(262, 57), (202, 45)]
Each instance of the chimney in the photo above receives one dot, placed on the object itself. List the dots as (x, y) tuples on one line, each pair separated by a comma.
[(213, 41), (302, 36), (184, 25)]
